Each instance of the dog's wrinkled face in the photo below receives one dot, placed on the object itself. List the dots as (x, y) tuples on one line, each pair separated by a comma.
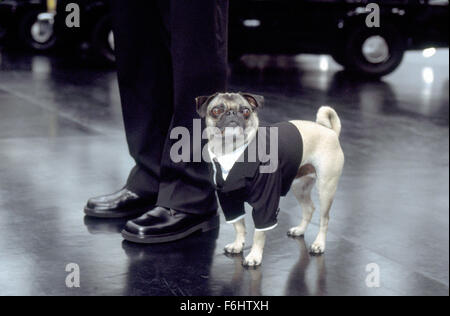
[(230, 114)]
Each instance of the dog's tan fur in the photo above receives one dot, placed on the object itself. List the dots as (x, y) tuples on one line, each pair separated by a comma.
[(322, 164)]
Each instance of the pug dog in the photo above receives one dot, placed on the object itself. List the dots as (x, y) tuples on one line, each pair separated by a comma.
[(314, 157)]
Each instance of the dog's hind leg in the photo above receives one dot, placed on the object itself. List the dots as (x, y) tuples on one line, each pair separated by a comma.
[(327, 180), (302, 190)]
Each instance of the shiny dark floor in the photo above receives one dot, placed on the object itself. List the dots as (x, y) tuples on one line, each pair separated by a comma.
[(61, 141)]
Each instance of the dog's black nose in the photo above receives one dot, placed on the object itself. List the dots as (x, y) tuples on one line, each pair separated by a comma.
[(231, 112)]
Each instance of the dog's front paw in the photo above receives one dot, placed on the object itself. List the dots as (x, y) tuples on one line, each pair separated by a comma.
[(296, 232), (234, 248), (252, 260), (318, 248)]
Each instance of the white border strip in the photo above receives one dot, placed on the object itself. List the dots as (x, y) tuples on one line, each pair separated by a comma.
[(265, 229), (236, 219)]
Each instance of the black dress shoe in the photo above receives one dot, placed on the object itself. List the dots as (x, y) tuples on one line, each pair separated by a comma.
[(123, 203), (163, 225)]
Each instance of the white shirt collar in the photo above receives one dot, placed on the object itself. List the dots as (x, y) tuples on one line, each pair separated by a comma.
[(227, 161)]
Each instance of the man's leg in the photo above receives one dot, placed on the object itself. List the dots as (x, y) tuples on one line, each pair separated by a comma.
[(186, 199), (199, 57), (146, 88), (145, 82)]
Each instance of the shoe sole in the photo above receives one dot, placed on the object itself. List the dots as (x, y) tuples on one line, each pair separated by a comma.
[(204, 227), (99, 214)]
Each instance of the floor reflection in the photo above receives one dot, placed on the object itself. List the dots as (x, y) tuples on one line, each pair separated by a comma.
[(180, 269), (298, 283), (238, 282), (61, 142), (97, 226), (414, 88)]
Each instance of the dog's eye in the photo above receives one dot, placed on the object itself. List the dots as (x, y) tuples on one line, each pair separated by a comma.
[(246, 113), (217, 111)]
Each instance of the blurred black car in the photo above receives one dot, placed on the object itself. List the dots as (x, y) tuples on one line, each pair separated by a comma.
[(95, 31), (19, 19), (336, 27)]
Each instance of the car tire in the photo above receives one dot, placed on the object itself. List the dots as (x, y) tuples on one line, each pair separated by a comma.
[(2, 32), (339, 57), (103, 40), (234, 57), (374, 52), (32, 37)]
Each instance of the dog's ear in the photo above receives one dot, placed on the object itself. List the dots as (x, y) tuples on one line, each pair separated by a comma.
[(202, 104), (256, 101)]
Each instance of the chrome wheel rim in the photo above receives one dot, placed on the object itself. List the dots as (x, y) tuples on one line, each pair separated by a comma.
[(111, 42), (41, 32), (375, 49)]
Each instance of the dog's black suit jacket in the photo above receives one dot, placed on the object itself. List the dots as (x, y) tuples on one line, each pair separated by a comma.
[(262, 190)]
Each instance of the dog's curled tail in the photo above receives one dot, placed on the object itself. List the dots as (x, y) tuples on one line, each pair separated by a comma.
[(327, 116)]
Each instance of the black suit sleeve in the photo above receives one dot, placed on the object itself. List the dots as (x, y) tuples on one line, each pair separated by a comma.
[(264, 197), (232, 207)]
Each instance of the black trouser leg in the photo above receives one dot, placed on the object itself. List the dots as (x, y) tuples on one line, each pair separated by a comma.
[(146, 86), (168, 53), (199, 56)]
